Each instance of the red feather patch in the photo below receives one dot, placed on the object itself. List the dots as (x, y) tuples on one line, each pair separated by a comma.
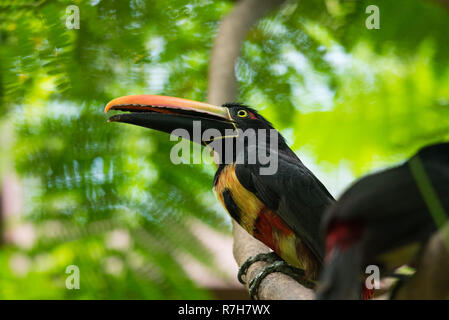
[(343, 234), (268, 223), (252, 115)]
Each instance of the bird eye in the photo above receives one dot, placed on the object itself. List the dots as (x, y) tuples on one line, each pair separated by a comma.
[(242, 113)]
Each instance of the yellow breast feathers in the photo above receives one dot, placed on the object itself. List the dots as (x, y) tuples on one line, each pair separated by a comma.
[(246, 202)]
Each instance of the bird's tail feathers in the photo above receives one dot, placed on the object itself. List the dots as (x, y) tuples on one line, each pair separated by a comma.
[(340, 278)]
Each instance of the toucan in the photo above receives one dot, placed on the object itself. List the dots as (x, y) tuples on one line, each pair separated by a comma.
[(280, 204), (384, 220)]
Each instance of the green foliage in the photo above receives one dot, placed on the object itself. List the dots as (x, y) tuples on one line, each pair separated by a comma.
[(80, 171), (343, 92), (350, 94)]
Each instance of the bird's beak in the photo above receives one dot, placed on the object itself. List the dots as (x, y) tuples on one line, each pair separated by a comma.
[(169, 113)]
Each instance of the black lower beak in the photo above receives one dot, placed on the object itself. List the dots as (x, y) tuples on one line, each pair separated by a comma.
[(196, 121)]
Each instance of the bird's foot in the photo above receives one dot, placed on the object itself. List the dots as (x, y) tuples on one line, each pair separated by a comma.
[(266, 257), (277, 265)]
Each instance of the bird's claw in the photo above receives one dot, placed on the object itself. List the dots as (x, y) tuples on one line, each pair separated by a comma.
[(266, 257), (255, 282), (278, 266)]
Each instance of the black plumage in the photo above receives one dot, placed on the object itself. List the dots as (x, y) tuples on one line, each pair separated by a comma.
[(385, 219)]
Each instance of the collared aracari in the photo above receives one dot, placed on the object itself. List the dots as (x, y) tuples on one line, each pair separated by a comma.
[(385, 219), (283, 210)]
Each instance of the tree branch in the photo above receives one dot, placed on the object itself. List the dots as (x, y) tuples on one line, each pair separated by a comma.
[(431, 280), (231, 34), (276, 286), (223, 88)]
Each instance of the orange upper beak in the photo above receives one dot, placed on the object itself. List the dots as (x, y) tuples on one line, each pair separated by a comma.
[(169, 113), (164, 104)]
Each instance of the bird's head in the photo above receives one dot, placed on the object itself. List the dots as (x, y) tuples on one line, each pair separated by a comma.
[(246, 117), (168, 114)]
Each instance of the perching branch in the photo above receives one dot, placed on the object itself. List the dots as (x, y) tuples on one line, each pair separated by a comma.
[(223, 88), (431, 281), (276, 286)]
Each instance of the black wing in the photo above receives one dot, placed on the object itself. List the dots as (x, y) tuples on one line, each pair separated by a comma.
[(296, 195), (392, 205)]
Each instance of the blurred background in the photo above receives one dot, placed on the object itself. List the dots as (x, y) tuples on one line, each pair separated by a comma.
[(76, 190)]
